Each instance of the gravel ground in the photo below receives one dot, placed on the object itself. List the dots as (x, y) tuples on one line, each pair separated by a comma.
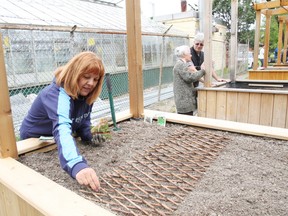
[(249, 177)]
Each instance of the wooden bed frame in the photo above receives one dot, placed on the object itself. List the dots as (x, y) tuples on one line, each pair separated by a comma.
[(26, 192)]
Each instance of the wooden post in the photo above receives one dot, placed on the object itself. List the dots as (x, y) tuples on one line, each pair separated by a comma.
[(134, 43), (285, 43), (280, 34), (256, 40), (208, 43), (267, 39), (8, 146), (161, 62), (233, 40)]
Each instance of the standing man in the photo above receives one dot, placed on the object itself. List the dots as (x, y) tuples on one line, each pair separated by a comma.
[(197, 57)]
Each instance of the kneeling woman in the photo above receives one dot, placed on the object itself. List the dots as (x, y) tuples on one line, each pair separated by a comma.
[(63, 108)]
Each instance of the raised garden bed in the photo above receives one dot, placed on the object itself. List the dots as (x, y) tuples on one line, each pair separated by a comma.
[(255, 102), (231, 173), (269, 74)]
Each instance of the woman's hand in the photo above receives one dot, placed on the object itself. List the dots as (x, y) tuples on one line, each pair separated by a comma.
[(88, 177), (222, 80)]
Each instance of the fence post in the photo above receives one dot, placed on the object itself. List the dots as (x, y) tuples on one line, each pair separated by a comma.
[(8, 147)]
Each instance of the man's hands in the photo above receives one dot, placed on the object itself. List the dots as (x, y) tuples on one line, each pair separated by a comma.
[(89, 178)]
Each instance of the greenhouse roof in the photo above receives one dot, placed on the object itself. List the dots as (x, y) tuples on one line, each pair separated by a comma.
[(103, 15)]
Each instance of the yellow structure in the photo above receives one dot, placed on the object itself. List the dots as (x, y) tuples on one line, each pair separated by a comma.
[(188, 22)]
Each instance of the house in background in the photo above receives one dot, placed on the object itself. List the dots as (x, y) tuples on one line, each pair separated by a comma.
[(189, 23)]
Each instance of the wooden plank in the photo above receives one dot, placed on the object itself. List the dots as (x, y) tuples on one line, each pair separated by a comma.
[(242, 107), (31, 144), (282, 18), (266, 109), (134, 44), (221, 105), (266, 75), (30, 193), (202, 99), (234, 40), (254, 108), (280, 111), (267, 39), (238, 127), (275, 11), (7, 137), (43, 149), (266, 5), (211, 104), (285, 41), (252, 75), (9, 202), (283, 2), (124, 115), (276, 76), (266, 85), (231, 113), (256, 40), (252, 90), (207, 28), (280, 35)]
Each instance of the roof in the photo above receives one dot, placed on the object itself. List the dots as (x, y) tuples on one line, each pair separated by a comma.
[(104, 15)]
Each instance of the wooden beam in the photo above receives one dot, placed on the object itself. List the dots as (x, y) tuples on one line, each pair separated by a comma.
[(283, 18), (244, 128), (32, 144), (266, 5), (208, 43), (7, 137), (26, 192), (285, 43), (280, 33), (234, 40), (134, 43), (283, 2), (276, 11), (267, 39), (256, 40)]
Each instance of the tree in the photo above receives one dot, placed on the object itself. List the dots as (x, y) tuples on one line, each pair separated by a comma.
[(274, 32), (246, 18)]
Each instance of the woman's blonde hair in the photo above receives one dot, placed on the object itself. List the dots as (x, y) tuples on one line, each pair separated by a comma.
[(68, 75)]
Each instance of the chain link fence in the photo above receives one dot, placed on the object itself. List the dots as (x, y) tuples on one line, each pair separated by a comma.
[(243, 54), (31, 57)]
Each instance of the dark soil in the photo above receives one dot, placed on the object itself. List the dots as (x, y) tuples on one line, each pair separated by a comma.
[(248, 177)]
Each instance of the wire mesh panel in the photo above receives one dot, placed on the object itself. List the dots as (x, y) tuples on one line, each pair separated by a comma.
[(242, 63), (156, 181), (32, 56)]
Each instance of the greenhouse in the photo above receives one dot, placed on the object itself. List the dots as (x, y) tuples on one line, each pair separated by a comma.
[(38, 38)]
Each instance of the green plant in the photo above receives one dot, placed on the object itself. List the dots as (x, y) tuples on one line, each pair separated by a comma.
[(102, 128)]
